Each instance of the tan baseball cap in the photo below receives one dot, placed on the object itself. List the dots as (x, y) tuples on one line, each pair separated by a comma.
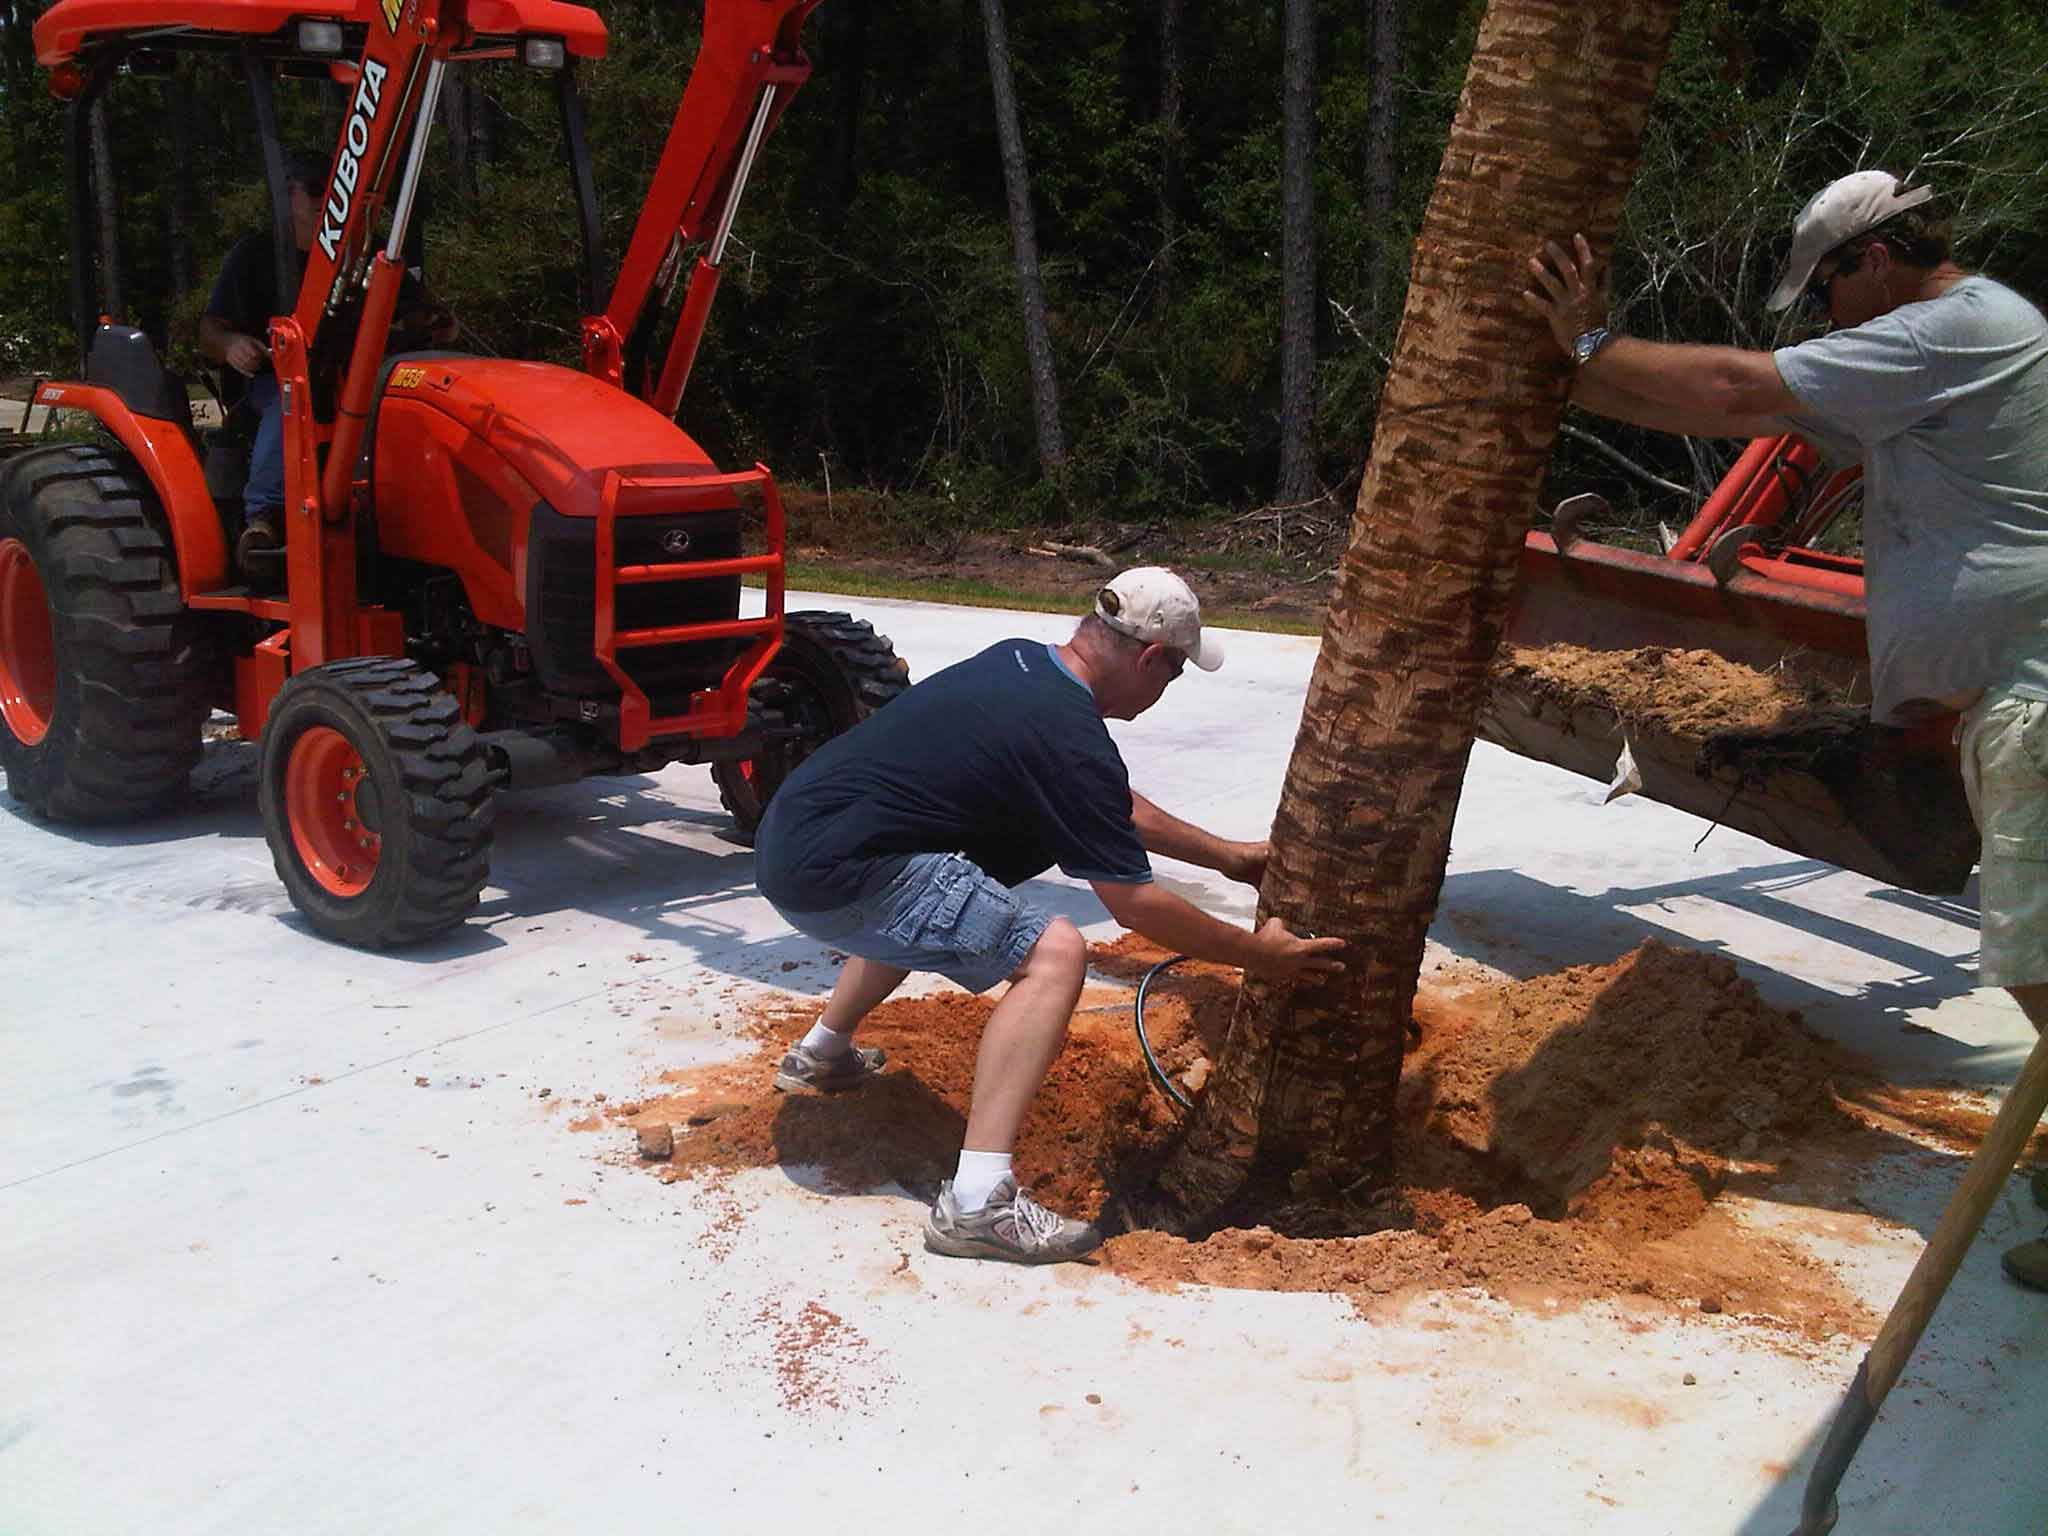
[(1150, 603), (1843, 209)]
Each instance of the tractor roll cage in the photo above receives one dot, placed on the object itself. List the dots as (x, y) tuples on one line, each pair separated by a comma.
[(749, 65), (263, 59)]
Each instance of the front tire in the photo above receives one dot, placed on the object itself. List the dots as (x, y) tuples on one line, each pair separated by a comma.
[(377, 802), (832, 672), (104, 673)]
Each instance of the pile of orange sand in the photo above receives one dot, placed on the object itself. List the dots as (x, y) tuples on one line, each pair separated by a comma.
[(1566, 1138)]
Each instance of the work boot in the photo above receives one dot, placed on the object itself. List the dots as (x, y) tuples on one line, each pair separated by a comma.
[(805, 1071), (2028, 1264), (259, 556), (1012, 1227)]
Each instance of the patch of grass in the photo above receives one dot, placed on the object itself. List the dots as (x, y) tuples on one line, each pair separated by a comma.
[(1288, 567), (816, 576), (819, 576)]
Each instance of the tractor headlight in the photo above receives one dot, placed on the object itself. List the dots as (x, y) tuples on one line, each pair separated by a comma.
[(320, 37), (543, 53)]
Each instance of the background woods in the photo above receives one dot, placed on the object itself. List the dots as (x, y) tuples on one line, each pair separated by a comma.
[(871, 325)]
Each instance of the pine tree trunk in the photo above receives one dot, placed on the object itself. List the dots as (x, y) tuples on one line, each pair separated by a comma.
[(178, 212), (483, 128), (1544, 143), (107, 208), (1382, 128), (1297, 256), (1172, 144), (456, 113), (849, 100), (1045, 392)]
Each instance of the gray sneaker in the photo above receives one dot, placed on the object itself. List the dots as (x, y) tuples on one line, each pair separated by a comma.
[(1012, 1227), (805, 1071)]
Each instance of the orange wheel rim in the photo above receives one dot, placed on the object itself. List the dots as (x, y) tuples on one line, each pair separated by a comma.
[(28, 647), (326, 791)]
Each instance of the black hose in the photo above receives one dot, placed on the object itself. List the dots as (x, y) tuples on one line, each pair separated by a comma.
[(1138, 1009)]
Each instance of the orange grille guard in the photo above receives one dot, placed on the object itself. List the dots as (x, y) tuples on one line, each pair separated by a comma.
[(720, 711)]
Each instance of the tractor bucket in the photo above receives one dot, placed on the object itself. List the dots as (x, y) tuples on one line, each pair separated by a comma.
[(1883, 803), (1606, 598)]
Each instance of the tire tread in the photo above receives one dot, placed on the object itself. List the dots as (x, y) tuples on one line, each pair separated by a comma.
[(142, 663)]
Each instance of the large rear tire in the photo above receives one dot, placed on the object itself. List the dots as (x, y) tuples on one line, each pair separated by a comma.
[(377, 802), (832, 672), (104, 673)]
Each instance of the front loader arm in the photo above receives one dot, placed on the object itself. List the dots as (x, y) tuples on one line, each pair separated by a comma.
[(749, 65), (375, 167)]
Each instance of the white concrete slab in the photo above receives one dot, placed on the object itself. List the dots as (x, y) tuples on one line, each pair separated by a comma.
[(286, 1240)]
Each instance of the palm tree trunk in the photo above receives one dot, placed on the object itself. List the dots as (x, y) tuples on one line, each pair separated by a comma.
[(1045, 389), (1297, 255), (1544, 143)]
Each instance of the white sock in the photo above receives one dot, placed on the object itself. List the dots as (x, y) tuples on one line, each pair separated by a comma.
[(827, 1043), (978, 1174)]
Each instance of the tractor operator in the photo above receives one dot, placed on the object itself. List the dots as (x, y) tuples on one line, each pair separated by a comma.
[(899, 842), (233, 332), (1936, 379)]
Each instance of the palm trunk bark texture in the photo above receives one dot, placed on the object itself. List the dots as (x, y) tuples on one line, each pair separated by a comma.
[(1545, 143)]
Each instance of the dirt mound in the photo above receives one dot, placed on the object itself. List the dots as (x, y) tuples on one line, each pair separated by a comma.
[(1562, 1139), (1624, 1092)]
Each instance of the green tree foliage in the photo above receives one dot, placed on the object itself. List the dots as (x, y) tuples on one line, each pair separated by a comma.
[(868, 323)]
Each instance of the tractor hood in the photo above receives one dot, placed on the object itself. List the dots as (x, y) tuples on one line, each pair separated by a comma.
[(560, 431)]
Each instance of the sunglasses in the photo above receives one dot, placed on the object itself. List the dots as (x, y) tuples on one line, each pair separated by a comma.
[(1820, 285)]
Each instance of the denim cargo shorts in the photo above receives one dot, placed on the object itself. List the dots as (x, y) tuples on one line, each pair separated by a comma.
[(2004, 740), (933, 912)]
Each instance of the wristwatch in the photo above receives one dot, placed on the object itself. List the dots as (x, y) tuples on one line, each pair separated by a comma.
[(1587, 344)]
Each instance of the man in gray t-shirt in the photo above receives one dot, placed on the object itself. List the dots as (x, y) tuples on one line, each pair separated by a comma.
[(1936, 380), (1945, 403)]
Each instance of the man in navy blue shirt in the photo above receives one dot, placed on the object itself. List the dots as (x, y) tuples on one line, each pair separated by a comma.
[(899, 842)]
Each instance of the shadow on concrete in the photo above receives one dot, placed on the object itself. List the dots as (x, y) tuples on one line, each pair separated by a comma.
[(1525, 926), (895, 1136), (220, 802), (1778, 1512), (593, 848)]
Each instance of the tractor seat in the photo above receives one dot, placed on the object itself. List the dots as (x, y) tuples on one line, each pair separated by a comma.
[(124, 360)]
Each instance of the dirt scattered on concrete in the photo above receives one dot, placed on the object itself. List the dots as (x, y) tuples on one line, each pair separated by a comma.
[(1588, 1135), (1684, 693), (821, 1360)]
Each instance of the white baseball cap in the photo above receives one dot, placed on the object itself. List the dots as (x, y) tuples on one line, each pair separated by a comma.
[(1843, 209), (1150, 603)]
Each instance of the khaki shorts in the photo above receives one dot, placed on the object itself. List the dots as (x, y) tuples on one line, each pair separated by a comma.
[(2004, 740)]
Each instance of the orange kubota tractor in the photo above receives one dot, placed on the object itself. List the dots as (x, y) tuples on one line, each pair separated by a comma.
[(1750, 579), (497, 573)]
